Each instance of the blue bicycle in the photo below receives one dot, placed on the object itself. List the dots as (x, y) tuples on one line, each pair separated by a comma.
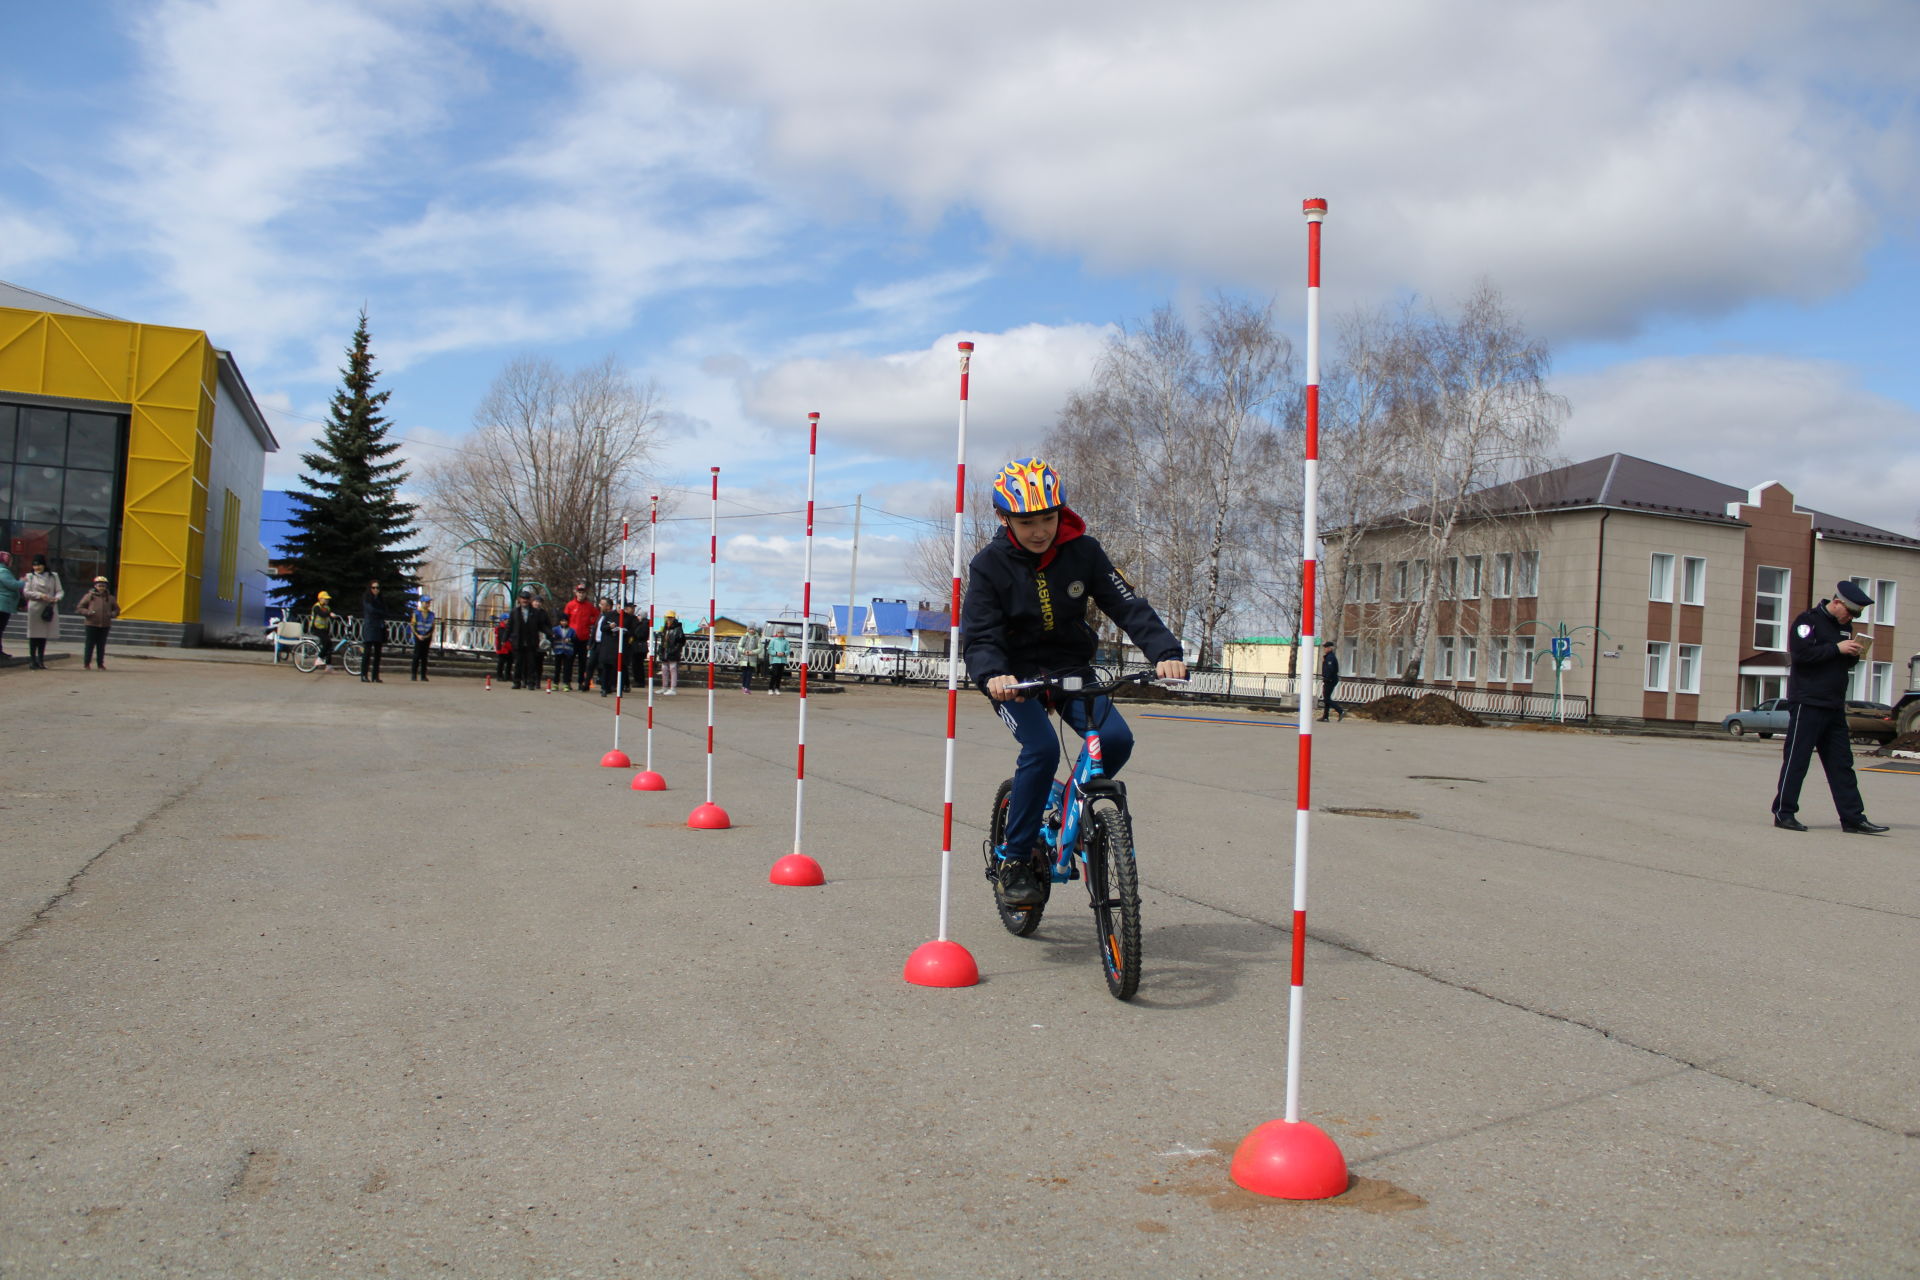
[(1087, 835)]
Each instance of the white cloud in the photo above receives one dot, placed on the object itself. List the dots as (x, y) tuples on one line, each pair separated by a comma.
[(27, 242), (1744, 420), (905, 404), (1601, 163), (259, 122)]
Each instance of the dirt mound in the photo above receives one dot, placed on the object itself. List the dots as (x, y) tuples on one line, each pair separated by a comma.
[(1909, 743), (1432, 708)]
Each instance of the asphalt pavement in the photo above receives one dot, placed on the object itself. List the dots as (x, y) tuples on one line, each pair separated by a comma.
[(301, 976)]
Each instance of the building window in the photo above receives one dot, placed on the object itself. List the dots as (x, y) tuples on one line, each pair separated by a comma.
[(60, 491), (1522, 660), (1693, 580), (229, 547), (1502, 585), (1373, 583), (1660, 578), (1396, 656), (1350, 659), (1686, 670), (1527, 574), (1657, 651), (1770, 608), (1884, 591), (1883, 682), (1445, 662), (1857, 683), (1352, 582), (1450, 578), (1497, 659), (1469, 658), (1368, 663), (1419, 580), (1400, 580), (1470, 578)]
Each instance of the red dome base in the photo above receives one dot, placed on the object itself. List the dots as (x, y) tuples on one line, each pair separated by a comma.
[(709, 817), (941, 964), (797, 870), (1295, 1161), (616, 759), (648, 780)]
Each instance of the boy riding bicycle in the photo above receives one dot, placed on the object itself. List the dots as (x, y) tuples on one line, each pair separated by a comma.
[(1025, 615)]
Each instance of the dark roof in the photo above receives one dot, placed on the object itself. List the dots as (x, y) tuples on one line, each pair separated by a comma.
[(1623, 482)]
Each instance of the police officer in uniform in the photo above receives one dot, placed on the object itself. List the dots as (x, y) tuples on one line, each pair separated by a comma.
[(1822, 650)]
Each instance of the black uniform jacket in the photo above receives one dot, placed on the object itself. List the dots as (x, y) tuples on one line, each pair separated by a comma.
[(606, 640), (1026, 615), (1819, 673), (525, 626)]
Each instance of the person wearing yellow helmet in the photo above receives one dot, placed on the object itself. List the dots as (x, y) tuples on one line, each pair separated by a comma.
[(320, 622), (1026, 615)]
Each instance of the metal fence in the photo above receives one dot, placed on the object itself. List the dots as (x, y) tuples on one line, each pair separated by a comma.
[(899, 667)]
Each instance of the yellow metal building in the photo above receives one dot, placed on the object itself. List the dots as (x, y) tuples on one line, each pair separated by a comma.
[(134, 451)]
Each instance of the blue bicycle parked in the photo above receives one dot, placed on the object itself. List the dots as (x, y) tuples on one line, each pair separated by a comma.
[(1087, 835)]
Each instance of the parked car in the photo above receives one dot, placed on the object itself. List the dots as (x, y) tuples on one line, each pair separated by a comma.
[(1767, 719), (1870, 722), (1866, 721)]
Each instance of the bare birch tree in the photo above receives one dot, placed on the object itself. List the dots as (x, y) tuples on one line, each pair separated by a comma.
[(1171, 442), (1433, 413), (555, 459)]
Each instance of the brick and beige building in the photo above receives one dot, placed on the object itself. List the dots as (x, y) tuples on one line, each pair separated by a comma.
[(1675, 590)]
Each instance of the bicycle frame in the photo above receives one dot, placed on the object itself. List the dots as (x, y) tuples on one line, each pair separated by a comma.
[(1071, 803)]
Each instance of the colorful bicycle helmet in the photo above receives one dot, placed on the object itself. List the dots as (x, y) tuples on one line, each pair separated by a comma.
[(1028, 487)]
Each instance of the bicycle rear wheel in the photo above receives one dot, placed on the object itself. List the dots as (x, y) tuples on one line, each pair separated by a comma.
[(1020, 921), (1113, 882), (352, 656), (306, 655)]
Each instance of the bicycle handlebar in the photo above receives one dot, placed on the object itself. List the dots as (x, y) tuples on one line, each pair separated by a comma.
[(1080, 686)]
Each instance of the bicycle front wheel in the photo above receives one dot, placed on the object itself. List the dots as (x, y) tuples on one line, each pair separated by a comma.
[(306, 655), (1020, 921), (352, 656), (1113, 882)]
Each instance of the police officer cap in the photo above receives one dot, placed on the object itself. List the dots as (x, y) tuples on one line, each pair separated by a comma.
[(1853, 595)]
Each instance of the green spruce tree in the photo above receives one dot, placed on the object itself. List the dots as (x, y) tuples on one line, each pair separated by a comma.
[(349, 525)]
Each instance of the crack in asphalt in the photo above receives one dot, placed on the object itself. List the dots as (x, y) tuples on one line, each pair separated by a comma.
[(160, 810)]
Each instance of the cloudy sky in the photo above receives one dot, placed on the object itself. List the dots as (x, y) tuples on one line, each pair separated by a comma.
[(770, 209)]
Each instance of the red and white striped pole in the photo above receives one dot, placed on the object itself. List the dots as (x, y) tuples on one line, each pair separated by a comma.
[(616, 758), (709, 816), (942, 963), (797, 869), (647, 779), (1289, 1158)]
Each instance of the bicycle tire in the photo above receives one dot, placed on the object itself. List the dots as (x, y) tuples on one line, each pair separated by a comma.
[(1019, 921), (306, 656), (1113, 884), (351, 656)]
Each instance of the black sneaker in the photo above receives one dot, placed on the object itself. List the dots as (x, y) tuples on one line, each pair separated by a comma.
[(1019, 887)]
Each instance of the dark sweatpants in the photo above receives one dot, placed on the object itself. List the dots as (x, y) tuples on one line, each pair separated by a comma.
[(1821, 729)]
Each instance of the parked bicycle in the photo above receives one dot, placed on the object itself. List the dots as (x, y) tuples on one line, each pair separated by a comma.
[(1087, 835)]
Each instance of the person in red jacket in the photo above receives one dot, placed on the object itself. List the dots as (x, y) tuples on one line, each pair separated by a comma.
[(582, 613)]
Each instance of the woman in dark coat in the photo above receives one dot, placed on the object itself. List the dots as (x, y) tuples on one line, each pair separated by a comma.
[(373, 633)]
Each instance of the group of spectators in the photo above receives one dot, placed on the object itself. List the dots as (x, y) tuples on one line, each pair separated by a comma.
[(591, 644), (323, 623), (38, 595)]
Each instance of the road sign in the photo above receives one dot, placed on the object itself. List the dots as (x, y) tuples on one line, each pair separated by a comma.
[(1562, 648)]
